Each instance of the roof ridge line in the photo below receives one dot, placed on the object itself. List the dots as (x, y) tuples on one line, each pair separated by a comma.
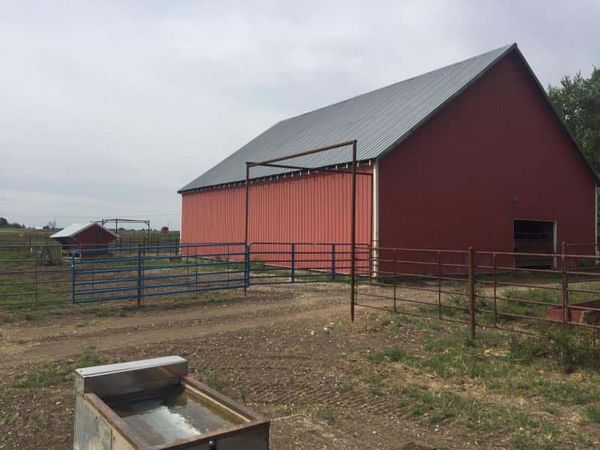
[(505, 47)]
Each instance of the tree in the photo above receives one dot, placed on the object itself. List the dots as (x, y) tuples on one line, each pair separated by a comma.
[(4, 223), (577, 101)]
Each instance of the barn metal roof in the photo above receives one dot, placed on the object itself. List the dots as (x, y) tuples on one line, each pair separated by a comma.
[(77, 228), (378, 120)]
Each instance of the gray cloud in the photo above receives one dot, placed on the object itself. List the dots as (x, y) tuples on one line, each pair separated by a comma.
[(108, 107)]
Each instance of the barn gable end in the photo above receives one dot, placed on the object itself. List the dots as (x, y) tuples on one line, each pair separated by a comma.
[(494, 154)]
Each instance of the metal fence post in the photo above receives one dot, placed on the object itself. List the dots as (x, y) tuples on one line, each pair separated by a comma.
[(35, 255), (139, 276), (564, 284), (73, 272), (196, 270), (246, 267), (395, 297), (471, 290), (439, 280), (495, 280), (332, 262), (293, 263)]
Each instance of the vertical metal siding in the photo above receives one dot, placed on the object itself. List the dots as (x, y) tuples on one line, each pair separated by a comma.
[(306, 208), (494, 154)]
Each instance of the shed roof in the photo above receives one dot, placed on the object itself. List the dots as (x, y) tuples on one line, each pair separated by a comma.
[(378, 120), (77, 228)]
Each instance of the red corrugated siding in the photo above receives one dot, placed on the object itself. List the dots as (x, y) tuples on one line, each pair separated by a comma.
[(494, 154), (307, 208), (94, 235)]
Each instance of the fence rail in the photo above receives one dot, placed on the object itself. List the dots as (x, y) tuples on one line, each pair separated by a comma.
[(147, 271), (486, 289), (476, 288)]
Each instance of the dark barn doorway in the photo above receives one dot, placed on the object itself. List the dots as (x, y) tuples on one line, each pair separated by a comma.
[(534, 236)]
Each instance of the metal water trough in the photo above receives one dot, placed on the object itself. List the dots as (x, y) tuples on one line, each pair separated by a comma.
[(576, 313), (154, 404)]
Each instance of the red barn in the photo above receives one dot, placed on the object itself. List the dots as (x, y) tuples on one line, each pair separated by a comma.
[(87, 239), (471, 154)]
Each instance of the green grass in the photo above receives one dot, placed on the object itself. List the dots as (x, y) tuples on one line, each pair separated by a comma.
[(593, 413), (53, 375), (393, 354), (347, 386), (90, 357), (5, 419), (327, 415), (215, 379), (509, 365), (439, 407)]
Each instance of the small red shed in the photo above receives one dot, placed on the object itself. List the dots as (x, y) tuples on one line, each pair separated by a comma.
[(87, 239)]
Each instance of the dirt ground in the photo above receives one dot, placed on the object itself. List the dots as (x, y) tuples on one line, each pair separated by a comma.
[(287, 352)]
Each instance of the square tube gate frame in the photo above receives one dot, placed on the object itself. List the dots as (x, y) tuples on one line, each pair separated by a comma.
[(273, 163)]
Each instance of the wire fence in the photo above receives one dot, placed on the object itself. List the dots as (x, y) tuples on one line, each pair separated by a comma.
[(521, 292), (43, 275), (504, 290)]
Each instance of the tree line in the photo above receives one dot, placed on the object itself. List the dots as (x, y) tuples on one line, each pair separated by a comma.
[(577, 101), (4, 223)]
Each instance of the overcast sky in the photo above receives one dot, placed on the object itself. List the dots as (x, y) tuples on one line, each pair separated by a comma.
[(108, 107)]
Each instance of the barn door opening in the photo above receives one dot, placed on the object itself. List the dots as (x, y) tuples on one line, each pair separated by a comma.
[(534, 236)]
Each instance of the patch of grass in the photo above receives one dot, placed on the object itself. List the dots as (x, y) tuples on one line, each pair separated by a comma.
[(527, 350), (327, 415), (89, 358), (468, 412), (593, 413), (215, 380), (6, 318), (5, 419), (376, 384), (515, 302), (213, 297), (393, 354), (510, 365), (575, 349), (56, 374), (243, 394), (44, 377), (103, 312), (347, 386)]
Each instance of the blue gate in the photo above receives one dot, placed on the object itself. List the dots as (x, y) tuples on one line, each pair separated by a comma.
[(150, 271), (160, 270)]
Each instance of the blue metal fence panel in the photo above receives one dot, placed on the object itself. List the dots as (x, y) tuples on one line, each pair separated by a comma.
[(135, 273)]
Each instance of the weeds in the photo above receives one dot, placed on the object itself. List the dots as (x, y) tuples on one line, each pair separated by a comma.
[(215, 380), (243, 394), (511, 365), (593, 413), (89, 358), (347, 386), (44, 377), (443, 406), (5, 419), (393, 354), (57, 374), (573, 349), (327, 415)]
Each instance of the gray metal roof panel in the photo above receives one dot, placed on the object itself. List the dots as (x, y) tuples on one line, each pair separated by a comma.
[(378, 120), (76, 228)]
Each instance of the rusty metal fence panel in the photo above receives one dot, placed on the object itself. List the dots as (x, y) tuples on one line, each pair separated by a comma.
[(486, 289)]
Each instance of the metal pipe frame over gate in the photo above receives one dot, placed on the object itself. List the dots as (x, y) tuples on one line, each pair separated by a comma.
[(275, 163)]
